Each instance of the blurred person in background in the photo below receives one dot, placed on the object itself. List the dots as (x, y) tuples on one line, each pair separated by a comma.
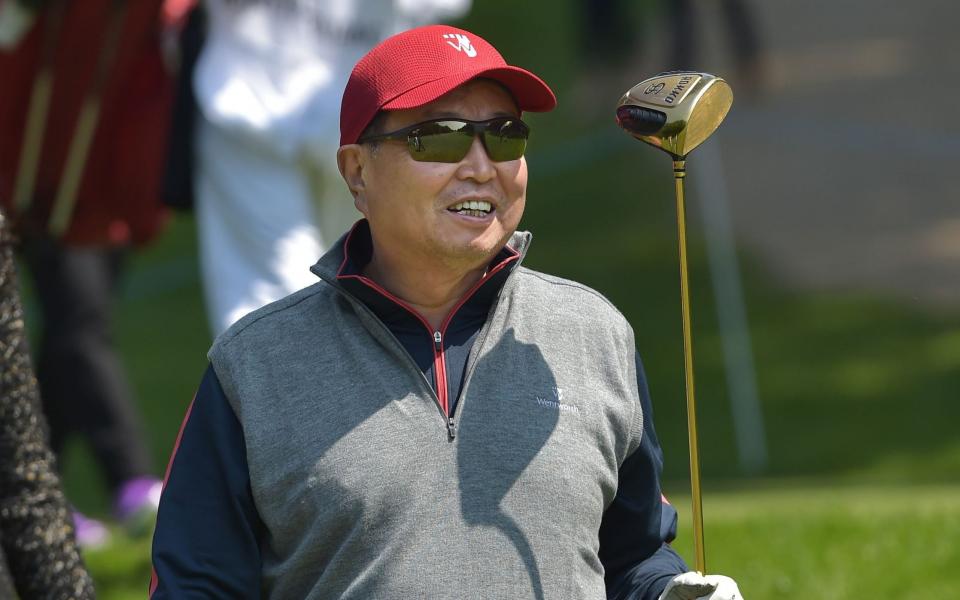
[(742, 37), (39, 557), (84, 115), (610, 37), (268, 81)]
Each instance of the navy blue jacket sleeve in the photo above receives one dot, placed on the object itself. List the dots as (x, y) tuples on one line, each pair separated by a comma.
[(206, 541), (637, 527)]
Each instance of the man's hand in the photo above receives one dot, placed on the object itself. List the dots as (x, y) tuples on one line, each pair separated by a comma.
[(692, 585)]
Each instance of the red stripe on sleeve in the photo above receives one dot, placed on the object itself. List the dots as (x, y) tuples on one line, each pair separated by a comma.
[(176, 446)]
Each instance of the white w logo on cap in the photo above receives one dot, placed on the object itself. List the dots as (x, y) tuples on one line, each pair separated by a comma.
[(462, 43)]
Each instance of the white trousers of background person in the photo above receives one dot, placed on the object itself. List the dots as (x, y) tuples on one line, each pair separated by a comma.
[(262, 221)]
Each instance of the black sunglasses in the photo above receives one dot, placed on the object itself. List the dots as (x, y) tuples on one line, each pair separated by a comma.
[(449, 140)]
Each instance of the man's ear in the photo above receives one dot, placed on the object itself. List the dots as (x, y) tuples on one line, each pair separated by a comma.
[(351, 160)]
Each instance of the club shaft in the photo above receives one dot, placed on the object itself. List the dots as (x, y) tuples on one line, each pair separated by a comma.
[(679, 174)]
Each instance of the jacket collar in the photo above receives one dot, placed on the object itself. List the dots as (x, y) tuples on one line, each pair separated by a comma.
[(352, 252)]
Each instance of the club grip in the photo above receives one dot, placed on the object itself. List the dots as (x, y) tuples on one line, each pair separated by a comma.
[(640, 120)]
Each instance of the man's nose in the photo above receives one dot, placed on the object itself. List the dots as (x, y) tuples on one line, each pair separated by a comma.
[(477, 164)]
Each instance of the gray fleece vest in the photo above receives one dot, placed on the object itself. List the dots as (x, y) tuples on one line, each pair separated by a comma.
[(363, 491)]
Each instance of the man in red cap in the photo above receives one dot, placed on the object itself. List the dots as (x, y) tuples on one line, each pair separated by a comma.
[(430, 419)]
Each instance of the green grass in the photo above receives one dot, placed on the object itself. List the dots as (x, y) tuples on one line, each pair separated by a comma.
[(861, 497), (833, 542), (121, 570)]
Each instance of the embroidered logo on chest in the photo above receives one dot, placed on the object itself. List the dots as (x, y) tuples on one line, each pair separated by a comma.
[(555, 402)]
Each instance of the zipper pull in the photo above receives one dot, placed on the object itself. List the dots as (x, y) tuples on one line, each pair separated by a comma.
[(451, 429), (437, 341)]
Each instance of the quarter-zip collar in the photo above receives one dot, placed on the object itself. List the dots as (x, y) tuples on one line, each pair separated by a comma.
[(440, 354), (354, 249)]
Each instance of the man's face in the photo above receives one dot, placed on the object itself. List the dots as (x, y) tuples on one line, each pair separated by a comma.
[(410, 205)]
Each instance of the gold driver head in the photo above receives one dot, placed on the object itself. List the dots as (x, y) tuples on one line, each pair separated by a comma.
[(675, 111)]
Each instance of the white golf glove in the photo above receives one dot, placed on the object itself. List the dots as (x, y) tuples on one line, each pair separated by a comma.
[(693, 585)]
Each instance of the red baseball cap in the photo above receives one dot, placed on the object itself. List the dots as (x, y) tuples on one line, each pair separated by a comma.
[(418, 66)]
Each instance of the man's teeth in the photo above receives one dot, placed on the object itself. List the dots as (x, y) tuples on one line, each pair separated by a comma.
[(474, 208)]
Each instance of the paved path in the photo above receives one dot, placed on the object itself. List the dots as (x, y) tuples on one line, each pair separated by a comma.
[(844, 174)]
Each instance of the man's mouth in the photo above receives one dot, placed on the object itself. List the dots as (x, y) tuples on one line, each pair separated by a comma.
[(472, 208)]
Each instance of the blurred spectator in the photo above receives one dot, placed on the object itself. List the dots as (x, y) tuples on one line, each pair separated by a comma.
[(268, 83), (610, 40), (38, 552), (83, 116), (608, 33), (742, 36)]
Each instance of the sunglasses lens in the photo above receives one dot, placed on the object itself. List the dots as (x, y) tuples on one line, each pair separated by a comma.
[(450, 141), (505, 140), (441, 141)]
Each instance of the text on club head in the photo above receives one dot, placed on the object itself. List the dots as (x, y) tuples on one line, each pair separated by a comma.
[(655, 88)]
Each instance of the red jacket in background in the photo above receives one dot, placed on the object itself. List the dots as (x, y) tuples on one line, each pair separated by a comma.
[(118, 200)]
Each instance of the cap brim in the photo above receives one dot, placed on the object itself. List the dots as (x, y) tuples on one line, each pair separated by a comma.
[(529, 91)]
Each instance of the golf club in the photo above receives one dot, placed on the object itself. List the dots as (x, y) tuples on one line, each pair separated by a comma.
[(675, 112)]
